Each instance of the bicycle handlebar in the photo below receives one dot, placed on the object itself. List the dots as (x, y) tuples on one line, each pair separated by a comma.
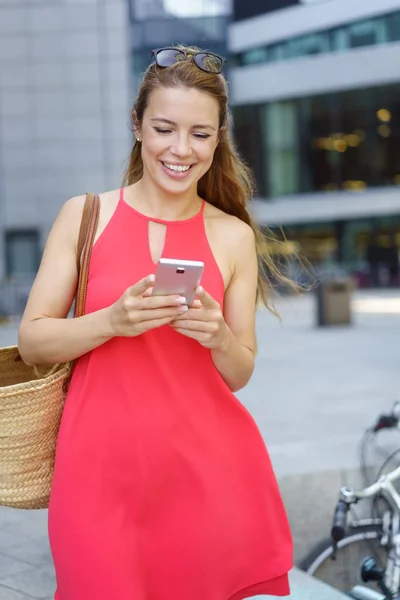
[(338, 530), (388, 421), (385, 422), (381, 484), (349, 496)]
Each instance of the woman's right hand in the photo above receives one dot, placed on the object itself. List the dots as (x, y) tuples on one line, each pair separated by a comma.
[(137, 311)]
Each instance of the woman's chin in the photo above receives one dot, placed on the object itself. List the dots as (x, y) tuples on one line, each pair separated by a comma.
[(175, 188)]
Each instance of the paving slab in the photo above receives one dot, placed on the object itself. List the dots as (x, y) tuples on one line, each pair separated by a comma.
[(313, 393)]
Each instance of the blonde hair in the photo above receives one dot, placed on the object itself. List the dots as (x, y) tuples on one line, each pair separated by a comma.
[(229, 183)]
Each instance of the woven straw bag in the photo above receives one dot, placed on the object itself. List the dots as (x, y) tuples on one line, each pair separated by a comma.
[(32, 401)]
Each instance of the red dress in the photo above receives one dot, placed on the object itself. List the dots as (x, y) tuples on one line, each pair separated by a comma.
[(163, 488)]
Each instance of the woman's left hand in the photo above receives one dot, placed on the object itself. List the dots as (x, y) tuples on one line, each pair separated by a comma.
[(204, 322)]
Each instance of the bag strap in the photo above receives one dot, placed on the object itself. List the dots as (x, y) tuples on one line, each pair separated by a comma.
[(87, 232)]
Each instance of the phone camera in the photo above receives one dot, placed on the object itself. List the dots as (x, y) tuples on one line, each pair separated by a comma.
[(180, 270)]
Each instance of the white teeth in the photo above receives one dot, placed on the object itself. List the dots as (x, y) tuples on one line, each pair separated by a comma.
[(179, 168)]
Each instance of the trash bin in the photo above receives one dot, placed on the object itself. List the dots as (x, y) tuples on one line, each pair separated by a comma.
[(334, 301)]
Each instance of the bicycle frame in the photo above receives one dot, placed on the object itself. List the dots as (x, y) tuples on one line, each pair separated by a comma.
[(390, 524)]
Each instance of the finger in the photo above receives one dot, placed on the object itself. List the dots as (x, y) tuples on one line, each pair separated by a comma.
[(202, 326), (194, 335), (154, 323), (161, 313), (149, 302), (197, 314), (206, 300), (141, 286), (148, 292)]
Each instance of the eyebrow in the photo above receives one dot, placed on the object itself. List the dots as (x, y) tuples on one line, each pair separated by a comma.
[(168, 122)]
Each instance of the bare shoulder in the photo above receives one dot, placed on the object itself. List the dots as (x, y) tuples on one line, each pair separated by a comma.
[(74, 206), (229, 228), (70, 215), (67, 222)]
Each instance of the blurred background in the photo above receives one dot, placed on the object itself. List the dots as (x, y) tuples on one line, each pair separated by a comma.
[(315, 94), (315, 98)]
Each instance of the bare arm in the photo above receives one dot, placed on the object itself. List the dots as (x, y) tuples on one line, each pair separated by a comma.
[(230, 337), (45, 334), (234, 359)]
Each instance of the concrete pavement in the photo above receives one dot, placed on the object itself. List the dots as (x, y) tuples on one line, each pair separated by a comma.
[(313, 393)]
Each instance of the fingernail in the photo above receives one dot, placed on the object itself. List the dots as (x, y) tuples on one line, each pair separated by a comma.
[(199, 290), (151, 278), (181, 300), (183, 309)]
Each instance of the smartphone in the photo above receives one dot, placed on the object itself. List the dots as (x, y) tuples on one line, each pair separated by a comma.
[(175, 276)]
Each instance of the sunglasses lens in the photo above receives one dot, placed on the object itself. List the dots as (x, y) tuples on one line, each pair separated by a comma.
[(167, 58), (209, 62)]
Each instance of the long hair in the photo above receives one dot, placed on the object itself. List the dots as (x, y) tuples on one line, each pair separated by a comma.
[(229, 183)]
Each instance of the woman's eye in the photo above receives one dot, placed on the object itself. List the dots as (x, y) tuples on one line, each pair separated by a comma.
[(199, 136)]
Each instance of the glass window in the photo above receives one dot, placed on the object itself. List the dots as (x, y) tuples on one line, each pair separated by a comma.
[(204, 28), (317, 241), (367, 33), (385, 116), (255, 56), (345, 141), (247, 133), (319, 144), (339, 39), (278, 52), (22, 253), (392, 23), (236, 60), (348, 140), (314, 43), (146, 9), (157, 33), (141, 61), (357, 151), (373, 250), (280, 129), (201, 31)]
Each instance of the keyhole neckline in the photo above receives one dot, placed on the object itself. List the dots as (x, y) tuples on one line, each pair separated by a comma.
[(198, 215)]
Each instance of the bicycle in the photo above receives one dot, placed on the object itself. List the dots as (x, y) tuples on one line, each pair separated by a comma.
[(383, 422), (380, 532)]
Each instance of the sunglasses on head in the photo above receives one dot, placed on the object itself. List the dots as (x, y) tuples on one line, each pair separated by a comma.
[(206, 61)]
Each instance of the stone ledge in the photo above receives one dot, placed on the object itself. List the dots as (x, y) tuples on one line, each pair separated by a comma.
[(304, 587)]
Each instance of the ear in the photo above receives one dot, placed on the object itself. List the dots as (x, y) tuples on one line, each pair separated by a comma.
[(222, 134)]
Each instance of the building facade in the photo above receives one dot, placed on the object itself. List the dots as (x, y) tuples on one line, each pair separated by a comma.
[(318, 85), (69, 71), (64, 117), (163, 23)]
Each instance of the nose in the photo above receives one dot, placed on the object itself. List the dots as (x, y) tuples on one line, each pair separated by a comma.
[(181, 146)]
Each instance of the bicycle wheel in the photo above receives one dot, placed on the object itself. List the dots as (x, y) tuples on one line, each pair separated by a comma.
[(344, 572)]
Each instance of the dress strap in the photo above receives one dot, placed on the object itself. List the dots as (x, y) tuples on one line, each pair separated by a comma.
[(121, 194)]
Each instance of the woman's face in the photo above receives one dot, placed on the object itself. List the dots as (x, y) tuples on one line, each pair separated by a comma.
[(179, 136)]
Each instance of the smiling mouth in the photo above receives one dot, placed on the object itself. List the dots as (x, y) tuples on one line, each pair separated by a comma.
[(177, 168)]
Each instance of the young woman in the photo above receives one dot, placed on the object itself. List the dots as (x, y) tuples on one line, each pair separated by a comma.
[(163, 488)]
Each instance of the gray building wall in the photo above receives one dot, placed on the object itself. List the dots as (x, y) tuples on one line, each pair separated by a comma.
[(359, 68), (352, 69), (270, 83), (65, 98), (313, 15)]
